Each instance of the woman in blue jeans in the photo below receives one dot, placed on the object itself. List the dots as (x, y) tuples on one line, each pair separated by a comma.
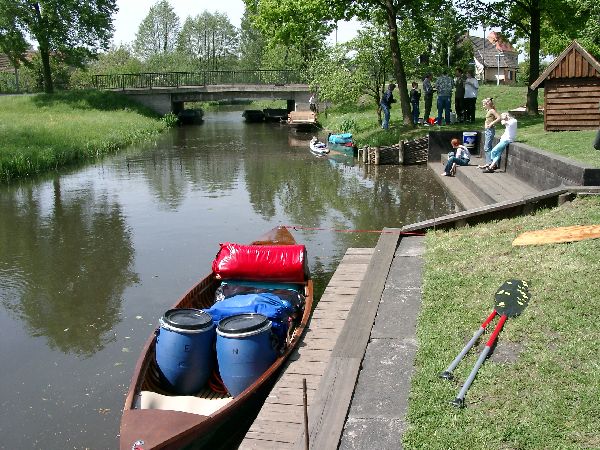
[(491, 119), (460, 157)]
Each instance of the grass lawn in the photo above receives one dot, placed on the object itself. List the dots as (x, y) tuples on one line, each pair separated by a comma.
[(44, 132), (362, 122), (540, 388)]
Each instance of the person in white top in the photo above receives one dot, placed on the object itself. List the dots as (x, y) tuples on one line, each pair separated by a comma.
[(459, 157), (509, 135)]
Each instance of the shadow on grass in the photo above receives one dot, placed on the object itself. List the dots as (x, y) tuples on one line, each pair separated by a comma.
[(93, 100)]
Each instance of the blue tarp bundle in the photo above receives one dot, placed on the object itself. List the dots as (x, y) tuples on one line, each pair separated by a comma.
[(269, 305)]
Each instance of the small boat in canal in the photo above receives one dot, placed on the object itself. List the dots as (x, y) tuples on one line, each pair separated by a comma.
[(275, 114), (253, 115), (342, 138), (171, 403), (302, 120), (190, 116), (318, 147)]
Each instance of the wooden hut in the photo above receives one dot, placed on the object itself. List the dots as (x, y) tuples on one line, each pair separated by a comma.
[(571, 91)]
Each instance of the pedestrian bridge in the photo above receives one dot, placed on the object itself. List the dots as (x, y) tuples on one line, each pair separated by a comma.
[(166, 92)]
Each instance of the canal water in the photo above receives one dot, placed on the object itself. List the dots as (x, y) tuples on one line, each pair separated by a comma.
[(92, 257)]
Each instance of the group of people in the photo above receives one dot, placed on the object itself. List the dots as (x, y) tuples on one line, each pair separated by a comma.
[(465, 97), (466, 89), (460, 155)]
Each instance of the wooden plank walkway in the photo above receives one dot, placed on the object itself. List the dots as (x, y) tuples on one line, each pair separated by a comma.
[(280, 421)]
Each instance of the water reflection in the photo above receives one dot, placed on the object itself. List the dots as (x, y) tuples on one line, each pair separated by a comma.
[(91, 259), (66, 260)]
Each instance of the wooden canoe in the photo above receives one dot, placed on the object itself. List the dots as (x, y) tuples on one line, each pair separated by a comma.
[(557, 235), (166, 426)]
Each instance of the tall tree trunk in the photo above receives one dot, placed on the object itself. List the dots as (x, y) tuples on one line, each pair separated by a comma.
[(534, 57), (46, 69), (398, 63), (44, 49)]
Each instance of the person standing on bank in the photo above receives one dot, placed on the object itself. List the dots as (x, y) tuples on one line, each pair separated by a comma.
[(491, 119), (471, 89), (509, 135), (428, 97), (459, 94), (386, 104), (443, 85), (312, 103), (415, 98)]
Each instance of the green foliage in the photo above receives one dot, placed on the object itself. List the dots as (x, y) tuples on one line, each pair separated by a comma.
[(69, 30), (170, 120), (210, 39), (44, 132), (299, 24), (158, 31)]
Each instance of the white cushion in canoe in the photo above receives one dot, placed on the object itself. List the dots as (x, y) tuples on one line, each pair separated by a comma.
[(182, 403)]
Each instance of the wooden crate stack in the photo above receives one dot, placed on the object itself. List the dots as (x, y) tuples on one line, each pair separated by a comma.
[(415, 151), (406, 152)]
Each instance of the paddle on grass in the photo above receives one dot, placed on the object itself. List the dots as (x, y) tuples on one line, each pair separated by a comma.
[(510, 300), (557, 235)]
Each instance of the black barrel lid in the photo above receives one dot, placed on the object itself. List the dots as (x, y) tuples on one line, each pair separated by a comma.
[(243, 323), (187, 319)]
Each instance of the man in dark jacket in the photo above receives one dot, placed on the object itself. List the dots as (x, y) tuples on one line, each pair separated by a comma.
[(386, 104)]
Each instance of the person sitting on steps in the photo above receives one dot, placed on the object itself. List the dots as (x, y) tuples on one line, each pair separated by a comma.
[(460, 157)]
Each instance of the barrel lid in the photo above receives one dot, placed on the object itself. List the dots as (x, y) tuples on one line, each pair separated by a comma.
[(243, 323), (187, 319)]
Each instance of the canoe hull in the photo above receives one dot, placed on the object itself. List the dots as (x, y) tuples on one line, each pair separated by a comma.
[(169, 429)]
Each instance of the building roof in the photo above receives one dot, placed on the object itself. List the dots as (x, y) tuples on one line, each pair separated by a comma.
[(5, 64), (485, 51), (573, 62)]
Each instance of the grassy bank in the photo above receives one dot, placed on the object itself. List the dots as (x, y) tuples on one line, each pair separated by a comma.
[(361, 120), (42, 132), (540, 388)]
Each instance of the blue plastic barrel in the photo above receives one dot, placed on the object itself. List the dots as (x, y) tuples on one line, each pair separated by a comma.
[(245, 350), (185, 349)]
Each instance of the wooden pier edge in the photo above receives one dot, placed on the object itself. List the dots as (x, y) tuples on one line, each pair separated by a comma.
[(327, 414)]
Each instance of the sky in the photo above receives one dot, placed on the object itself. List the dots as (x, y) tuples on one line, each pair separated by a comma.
[(132, 12)]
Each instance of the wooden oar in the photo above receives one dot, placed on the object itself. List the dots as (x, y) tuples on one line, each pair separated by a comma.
[(556, 235)]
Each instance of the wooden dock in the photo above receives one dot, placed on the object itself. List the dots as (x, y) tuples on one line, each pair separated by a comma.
[(280, 423)]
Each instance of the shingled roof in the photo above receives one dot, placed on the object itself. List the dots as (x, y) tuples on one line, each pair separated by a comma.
[(485, 51)]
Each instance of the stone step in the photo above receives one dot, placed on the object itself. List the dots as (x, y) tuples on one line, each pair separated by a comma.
[(488, 188)]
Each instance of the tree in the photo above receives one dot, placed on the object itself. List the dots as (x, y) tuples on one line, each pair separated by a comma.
[(531, 20), (158, 32), (302, 25), (72, 30), (360, 66), (252, 44), (209, 38)]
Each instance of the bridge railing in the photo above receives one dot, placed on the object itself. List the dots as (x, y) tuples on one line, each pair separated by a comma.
[(149, 80)]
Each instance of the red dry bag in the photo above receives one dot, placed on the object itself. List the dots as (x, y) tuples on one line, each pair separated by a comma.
[(260, 262)]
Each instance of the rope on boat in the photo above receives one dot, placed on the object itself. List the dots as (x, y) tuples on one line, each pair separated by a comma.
[(339, 230)]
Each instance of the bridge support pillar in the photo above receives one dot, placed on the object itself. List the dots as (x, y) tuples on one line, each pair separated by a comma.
[(158, 102)]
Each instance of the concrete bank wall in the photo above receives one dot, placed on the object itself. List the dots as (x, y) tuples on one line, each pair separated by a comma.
[(545, 170), (540, 169)]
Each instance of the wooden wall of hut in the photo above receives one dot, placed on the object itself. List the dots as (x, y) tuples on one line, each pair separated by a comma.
[(571, 104)]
